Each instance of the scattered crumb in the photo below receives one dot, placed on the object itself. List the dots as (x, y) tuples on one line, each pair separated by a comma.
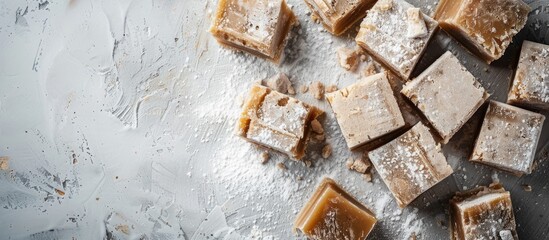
[(331, 88), (123, 228), (299, 178), (281, 166), (369, 70), (506, 235), (61, 193), (527, 187), (304, 88), (317, 90), (280, 83), (368, 177), (4, 164), (348, 58), (265, 157), (317, 127), (327, 151), (315, 18), (308, 163), (359, 165)]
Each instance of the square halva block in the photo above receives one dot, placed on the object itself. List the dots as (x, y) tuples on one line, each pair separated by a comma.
[(447, 94), (409, 113), (411, 164), (366, 110), (339, 15), (259, 27), (396, 34), (333, 214), (485, 27), (508, 138), (277, 121), (531, 84), (482, 213)]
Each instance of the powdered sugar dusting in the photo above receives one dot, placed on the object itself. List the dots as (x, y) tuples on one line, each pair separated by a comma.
[(381, 32), (531, 84)]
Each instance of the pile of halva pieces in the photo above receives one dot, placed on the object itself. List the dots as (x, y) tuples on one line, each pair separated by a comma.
[(399, 122)]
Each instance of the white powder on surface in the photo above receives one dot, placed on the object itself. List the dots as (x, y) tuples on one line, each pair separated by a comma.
[(276, 196), (134, 107)]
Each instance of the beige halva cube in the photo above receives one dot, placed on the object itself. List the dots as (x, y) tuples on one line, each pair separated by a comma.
[(482, 213), (447, 94), (333, 214), (531, 85), (339, 15), (396, 34), (508, 138), (485, 27), (277, 121), (366, 110), (410, 164), (409, 113), (259, 27)]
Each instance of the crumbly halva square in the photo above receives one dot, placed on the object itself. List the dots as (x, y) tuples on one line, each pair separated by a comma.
[(508, 138), (333, 214), (409, 113), (531, 84), (410, 164), (485, 27), (366, 110), (276, 121), (339, 15), (447, 94), (482, 213), (259, 27), (396, 34)]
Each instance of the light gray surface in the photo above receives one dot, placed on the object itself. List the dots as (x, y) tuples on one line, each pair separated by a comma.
[(128, 107)]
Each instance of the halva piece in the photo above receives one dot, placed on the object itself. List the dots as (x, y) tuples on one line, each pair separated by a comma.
[(482, 213), (447, 94), (333, 214), (508, 138), (259, 27), (531, 85), (485, 27), (366, 110), (276, 121), (396, 34), (410, 164)]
